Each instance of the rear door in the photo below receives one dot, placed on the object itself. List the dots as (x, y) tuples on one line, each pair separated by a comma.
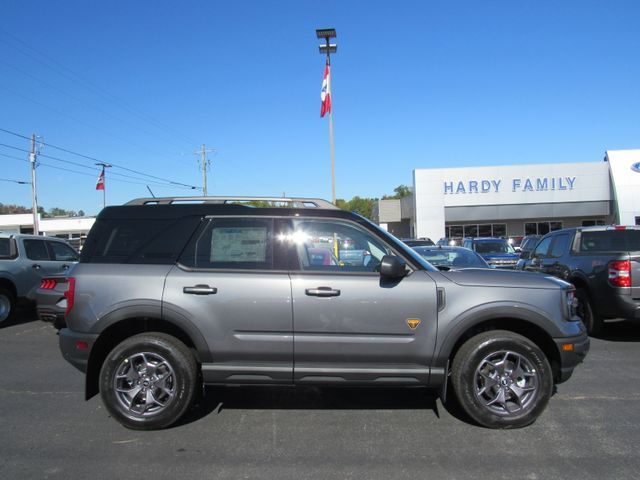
[(38, 263), (351, 325), (229, 285)]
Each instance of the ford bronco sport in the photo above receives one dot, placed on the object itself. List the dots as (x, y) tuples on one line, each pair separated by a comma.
[(171, 293)]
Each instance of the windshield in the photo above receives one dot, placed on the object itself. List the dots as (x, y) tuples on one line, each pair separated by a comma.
[(409, 252), (494, 247)]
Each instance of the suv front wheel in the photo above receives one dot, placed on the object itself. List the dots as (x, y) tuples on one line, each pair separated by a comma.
[(501, 379), (148, 381)]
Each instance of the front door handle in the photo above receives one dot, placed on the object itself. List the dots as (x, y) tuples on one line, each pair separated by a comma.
[(322, 292), (200, 290)]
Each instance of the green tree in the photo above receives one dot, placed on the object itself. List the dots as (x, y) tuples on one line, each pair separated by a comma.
[(401, 191)]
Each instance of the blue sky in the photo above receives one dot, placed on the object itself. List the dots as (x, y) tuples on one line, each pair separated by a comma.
[(415, 84)]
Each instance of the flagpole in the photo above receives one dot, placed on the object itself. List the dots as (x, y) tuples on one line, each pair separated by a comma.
[(104, 182), (333, 159), (328, 48)]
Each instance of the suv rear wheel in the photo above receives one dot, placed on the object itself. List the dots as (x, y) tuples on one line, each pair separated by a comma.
[(148, 381), (7, 305), (501, 379)]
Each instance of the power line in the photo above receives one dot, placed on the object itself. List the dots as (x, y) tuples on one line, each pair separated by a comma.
[(21, 182), (170, 182), (90, 105), (156, 184), (73, 76)]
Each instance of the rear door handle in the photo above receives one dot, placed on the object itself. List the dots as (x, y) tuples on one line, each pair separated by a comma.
[(200, 290), (35, 266), (322, 292)]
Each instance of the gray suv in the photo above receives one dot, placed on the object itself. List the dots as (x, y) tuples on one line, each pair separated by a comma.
[(24, 260), (172, 293)]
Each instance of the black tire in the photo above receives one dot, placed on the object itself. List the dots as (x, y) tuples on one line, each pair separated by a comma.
[(148, 381), (7, 305), (478, 379), (592, 322)]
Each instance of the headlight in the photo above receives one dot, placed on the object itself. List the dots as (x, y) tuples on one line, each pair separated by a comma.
[(570, 304)]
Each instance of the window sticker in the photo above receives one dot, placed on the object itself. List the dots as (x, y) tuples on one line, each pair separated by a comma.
[(246, 244)]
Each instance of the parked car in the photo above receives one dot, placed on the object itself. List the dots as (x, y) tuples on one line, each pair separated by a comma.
[(171, 293), (51, 302), (603, 262), (497, 252), (515, 242), (526, 247), (418, 242), (450, 241), (24, 260), (451, 258)]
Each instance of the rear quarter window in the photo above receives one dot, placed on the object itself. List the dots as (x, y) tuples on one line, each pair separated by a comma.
[(147, 241), (5, 249)]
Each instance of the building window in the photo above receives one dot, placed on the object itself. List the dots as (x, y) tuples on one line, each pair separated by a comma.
[(499, 229), (471, 230), (541, 228), (455, 231), (484, 230), (593, 223)]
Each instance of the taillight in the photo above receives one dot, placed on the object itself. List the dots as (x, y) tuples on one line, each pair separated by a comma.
[(48, 283), (70, 295), (620, 273)]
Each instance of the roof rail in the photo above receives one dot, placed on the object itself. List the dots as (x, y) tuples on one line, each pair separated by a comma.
[(274, 201)]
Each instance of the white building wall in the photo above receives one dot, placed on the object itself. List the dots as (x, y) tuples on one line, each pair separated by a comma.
[(625, 174), (435, 189)]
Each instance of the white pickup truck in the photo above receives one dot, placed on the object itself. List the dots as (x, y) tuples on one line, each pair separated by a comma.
[(24, 260)]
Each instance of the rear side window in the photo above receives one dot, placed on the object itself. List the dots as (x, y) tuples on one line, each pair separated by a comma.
[(36, 250), (232, 243), (147, 241), (5, 249), (610, 241)]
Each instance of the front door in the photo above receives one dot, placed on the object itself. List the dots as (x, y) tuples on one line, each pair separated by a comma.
[(351, 325)]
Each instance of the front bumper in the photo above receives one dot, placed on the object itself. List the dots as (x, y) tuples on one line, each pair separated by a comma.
[(76, 347), (569, 359)]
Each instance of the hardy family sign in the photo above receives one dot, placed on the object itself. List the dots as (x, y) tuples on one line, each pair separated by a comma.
[(537, 184)]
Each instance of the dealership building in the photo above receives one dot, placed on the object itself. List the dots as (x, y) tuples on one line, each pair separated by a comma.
[(513, 200)]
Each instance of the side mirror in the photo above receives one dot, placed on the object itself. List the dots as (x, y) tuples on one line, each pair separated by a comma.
[(392, 267), (525, 255)]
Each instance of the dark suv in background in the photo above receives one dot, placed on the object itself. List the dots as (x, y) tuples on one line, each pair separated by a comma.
[(497, 252), (172, 293), (603, 262)]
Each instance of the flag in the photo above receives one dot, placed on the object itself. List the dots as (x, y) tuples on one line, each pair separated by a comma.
[(100, 182), (325, 93)]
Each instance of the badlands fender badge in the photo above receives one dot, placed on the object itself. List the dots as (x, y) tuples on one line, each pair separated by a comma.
[(413, 323)]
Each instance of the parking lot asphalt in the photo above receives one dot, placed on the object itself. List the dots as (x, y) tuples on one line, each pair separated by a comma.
[(591, 428)]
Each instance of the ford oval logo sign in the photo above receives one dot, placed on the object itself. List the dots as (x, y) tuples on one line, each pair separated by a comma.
[(636, 167)]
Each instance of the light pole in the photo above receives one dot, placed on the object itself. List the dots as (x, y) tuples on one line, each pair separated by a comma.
[(327, 49)]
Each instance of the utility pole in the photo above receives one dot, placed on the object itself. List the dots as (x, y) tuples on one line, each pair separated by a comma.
[(205, 163), (102, 182), (34, 197)]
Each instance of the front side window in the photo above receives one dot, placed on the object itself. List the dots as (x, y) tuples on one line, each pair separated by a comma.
[(560, 246), (62, 252), (232, 243), (543, 248), (333, 245)]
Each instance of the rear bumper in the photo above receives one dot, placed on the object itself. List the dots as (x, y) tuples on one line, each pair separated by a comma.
[(569, 359), (51, 315), (76, 347), (620, 306)]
